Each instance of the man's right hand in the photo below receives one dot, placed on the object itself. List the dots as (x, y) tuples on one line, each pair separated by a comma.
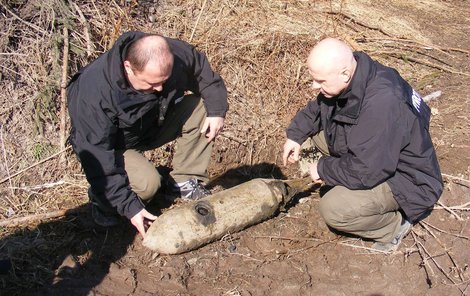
[(140, 220), (291, 152)]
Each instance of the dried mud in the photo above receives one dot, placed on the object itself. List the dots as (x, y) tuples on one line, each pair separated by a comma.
[(294, 253)]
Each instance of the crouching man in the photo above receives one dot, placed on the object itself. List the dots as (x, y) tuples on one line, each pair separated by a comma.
[(146, 91), (373, 130)]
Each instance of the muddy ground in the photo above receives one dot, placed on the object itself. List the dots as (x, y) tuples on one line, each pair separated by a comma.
[(294, 253)]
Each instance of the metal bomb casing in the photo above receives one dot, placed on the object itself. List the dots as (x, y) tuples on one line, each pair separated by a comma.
[(197, 223)]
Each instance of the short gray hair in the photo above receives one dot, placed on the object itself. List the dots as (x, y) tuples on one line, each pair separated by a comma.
[(150, 48)]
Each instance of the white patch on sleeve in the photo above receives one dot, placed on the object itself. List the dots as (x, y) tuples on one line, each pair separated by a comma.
[(417, 100)]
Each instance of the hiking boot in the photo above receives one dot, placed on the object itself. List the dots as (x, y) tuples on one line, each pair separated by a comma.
[(193, 189), (405, 228), (100, 216)]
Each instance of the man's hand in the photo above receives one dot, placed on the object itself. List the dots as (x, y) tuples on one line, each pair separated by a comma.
[(140, 220), (291, 152), (314, 172), (212, 127)]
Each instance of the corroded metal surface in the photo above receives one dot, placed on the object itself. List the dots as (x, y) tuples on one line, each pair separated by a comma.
[(197, 223)]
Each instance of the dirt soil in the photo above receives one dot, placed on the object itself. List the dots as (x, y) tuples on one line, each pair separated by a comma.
[(294, 252)]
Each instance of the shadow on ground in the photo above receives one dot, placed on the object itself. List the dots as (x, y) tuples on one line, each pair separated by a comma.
[(72, 255), (69, 254)]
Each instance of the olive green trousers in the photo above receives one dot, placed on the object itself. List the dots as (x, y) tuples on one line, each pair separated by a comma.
[(192, 152), (372, 214)]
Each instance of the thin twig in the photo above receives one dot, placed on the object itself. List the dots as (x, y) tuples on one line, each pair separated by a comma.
[(83, 21), (426, 266), (455, 178), (32, 98), (232, 138), (364, 248), (440, 230), (408, 43), (450, 211), (33, 26), (197, 21), (246, 256), (344, 15), (445, 250), (455, 208), (437, 264), (15, 72), (6, 166), (430, 46), (301, 250), (13, 54), (422, 62), (35, 164), (4, 152), (40, 187), (288, 238)]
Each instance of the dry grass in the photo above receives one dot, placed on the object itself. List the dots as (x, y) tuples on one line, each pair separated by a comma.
[(259, 47)]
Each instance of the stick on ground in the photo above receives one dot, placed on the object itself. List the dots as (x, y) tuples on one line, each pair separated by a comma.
[(14, 222)]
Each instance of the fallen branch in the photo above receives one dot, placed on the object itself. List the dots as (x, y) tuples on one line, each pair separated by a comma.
[(35, 164), (63, 92), (14, 222)]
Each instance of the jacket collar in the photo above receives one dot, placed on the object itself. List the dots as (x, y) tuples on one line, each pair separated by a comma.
[(349, 102), (116, 58)]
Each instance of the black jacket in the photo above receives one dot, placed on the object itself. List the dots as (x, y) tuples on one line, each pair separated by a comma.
[(377, 131), (108, 115)]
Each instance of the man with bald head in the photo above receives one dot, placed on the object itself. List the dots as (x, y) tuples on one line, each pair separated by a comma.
[(372, 129), (146, 91)]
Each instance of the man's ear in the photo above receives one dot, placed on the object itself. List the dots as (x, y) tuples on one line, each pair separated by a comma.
[(127, 67), (346, 75)]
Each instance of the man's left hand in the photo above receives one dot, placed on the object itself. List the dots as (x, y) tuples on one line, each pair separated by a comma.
[(212, 127)]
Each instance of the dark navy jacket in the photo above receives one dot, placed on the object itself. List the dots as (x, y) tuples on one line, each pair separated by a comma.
[(108, 115), (377, 131)]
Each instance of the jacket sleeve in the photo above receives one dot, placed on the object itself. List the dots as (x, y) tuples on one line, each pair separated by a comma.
[(210, 84), (93, 137), (374, 146), (305, 123)]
